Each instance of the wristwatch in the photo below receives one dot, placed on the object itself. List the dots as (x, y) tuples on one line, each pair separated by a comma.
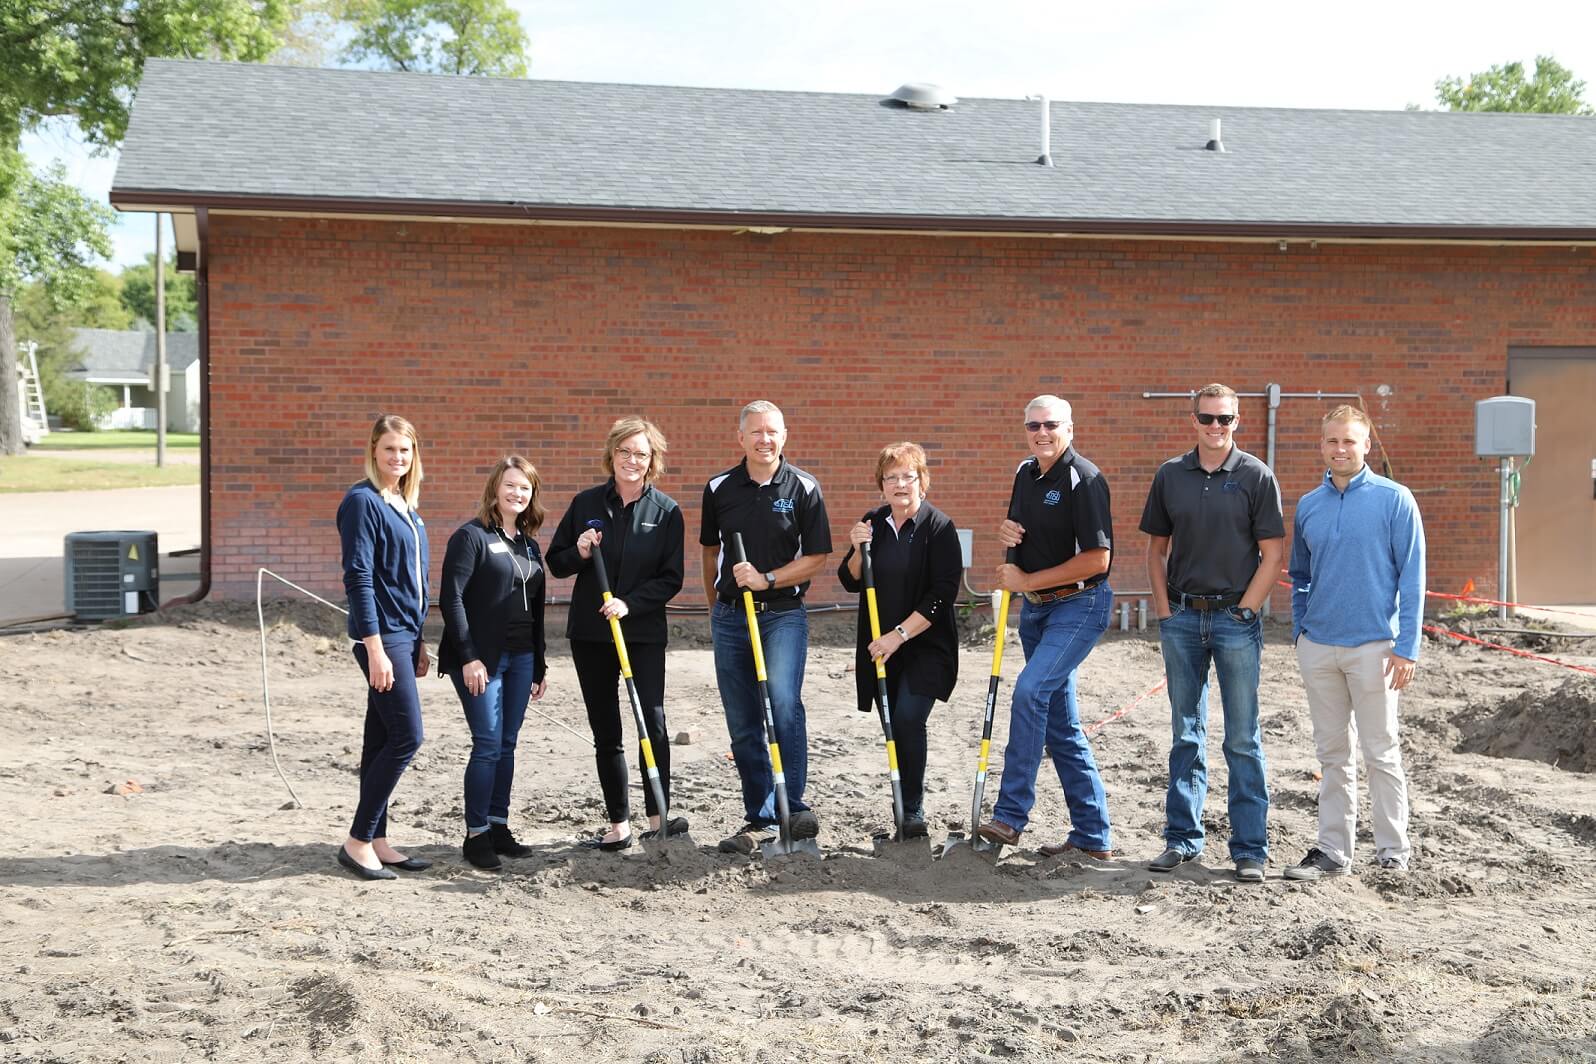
[(1247, 616), (900, 630), (770, 580)]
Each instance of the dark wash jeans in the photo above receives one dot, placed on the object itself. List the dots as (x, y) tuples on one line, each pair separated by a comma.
[(393, 735), (495, 718), (1192, 640)]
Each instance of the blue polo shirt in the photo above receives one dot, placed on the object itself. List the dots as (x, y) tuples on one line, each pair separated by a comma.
[(1357, 565)]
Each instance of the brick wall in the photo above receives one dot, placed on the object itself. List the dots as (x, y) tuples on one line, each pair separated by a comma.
[(496, 338)]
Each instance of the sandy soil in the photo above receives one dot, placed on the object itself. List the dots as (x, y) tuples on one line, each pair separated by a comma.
[(203, 917)]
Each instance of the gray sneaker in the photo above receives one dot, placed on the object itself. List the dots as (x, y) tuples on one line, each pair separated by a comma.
[(1392, 864), (1250, 870), (745, 840), (1317, 865), (1169, 860)]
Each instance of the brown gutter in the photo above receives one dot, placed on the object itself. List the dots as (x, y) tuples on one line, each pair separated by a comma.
[(202, 294), (135, 198)]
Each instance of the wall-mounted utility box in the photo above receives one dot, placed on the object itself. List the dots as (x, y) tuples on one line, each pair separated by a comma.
[(1504, 427)]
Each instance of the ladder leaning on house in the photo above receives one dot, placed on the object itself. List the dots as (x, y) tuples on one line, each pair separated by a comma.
[(32, 388)]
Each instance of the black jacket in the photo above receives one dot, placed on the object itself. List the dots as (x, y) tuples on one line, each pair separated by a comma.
[(478, 583), (642, 550), (929, 586)]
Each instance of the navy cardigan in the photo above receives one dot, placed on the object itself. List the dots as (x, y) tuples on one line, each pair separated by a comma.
[(387, 588)]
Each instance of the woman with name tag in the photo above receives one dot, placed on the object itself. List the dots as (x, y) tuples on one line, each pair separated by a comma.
[(638, 530), (917, 563), (493, 645), (385, 576)]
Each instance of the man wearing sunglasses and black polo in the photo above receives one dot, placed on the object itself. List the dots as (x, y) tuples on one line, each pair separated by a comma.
[(1062, 538), (1217, 541)]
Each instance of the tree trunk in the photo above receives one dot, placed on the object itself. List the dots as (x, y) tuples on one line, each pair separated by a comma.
[(10, 394)]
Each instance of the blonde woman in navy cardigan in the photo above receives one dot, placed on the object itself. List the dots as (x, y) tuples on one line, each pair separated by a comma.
[(385, 575), (493, 645)]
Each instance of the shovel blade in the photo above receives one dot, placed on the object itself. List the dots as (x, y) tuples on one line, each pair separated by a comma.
[(775, 848), (911, 853)]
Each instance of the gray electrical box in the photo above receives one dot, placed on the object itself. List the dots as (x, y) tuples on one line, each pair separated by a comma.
[(1504, 427)]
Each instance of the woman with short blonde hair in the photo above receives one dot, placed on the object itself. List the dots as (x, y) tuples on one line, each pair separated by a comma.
[(638, 530)]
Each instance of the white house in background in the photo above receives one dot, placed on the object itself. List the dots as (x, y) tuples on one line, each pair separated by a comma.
[(124, 360)]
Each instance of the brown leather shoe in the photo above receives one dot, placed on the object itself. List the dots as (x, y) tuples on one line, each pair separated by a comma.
[(999, 832), (1056, 849)]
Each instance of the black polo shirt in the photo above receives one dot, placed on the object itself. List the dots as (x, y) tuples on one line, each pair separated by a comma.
[(1214, 520), (779, 521), (1064, 511)]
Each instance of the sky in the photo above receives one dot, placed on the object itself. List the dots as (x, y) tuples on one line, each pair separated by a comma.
[(1354, 54)]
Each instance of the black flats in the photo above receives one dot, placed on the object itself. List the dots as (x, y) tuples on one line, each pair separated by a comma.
[(596, 842), (409, 864), (361, 870)]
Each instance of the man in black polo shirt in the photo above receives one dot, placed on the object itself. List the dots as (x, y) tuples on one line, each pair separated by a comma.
[(778, 509), (1060, 528), (1217, 540)]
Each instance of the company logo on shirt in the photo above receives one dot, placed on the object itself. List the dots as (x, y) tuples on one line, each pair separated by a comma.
[(781, 506), (1052, 498), (1231, 485)]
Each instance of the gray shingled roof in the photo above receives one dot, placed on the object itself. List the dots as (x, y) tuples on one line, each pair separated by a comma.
[(118, 356), (204, 130)]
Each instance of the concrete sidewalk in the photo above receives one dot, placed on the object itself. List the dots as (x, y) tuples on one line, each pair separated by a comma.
[(33, 528)]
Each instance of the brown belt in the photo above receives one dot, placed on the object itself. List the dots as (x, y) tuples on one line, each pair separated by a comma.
[(1055, 594)]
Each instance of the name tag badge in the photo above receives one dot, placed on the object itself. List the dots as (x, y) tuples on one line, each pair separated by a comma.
[(498, 548)]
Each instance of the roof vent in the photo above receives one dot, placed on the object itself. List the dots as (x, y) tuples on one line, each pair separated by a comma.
[(1215, 142), (923, 96)]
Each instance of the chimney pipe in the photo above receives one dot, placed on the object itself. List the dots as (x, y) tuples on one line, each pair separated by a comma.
[(1215, 142), (1046, 158)]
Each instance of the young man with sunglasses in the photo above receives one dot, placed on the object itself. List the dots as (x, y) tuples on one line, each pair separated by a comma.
[(1062, 535), (1217, 538)]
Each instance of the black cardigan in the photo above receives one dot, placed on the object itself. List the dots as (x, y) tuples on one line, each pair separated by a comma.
[(643, 559), (931, 658), (478, 584)]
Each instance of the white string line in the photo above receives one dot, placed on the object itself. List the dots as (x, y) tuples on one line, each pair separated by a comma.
[(265, 682)]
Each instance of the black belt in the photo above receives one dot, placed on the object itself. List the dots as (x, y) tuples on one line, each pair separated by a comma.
[(766, 605), (1203, 602), (1057, 594)]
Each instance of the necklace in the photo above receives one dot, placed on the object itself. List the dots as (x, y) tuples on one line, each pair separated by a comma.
[(523, 578)]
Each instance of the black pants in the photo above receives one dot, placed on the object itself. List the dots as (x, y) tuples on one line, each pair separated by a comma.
[(909, 715), (598, 671), (393, 735)]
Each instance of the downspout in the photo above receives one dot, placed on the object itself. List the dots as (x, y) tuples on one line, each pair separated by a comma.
[(202, 294)]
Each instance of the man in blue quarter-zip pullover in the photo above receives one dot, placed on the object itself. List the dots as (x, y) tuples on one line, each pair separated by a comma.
[(1357, 582)]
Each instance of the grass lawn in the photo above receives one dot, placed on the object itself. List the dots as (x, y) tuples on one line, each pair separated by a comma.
[(123, 438), (40, 472)]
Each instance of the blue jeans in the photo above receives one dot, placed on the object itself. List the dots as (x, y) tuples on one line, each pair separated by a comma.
[(392, 736), (1056, 637), (1192, 639), (495, 718), (785, 638)]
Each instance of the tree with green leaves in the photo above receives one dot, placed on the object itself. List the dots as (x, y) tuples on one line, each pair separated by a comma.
[(138, 294), (1552, 89), (437, 36), (49, 234), (42, 320), (80, 60)]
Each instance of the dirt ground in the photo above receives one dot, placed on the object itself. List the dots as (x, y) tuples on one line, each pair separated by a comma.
[(203, 917)]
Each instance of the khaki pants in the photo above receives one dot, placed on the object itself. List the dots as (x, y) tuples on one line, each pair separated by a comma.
[(1351, 704)]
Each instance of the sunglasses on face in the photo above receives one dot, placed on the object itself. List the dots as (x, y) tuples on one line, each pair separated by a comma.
[(1209, 419), (1038, 426)]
